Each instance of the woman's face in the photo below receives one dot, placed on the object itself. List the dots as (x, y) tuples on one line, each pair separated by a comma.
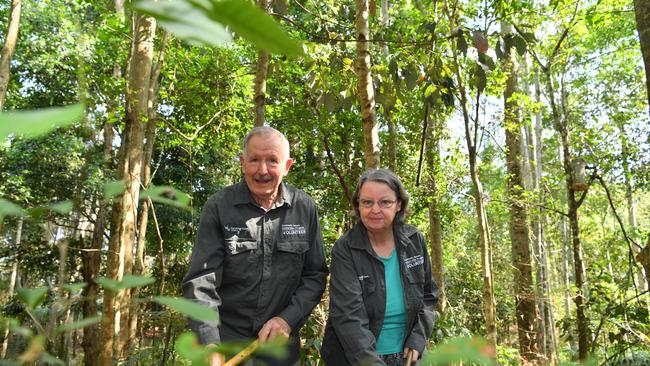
[(378, 206)]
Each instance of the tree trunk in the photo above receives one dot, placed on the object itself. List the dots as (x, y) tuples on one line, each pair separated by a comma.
[(642, 12), (435, 221), (260, 76), (366, 87), (9, 48), (12, 286), (539, 244), (573, 205), (519, 231), (150, 140), (489, 302), (392, 139), (123, 226)]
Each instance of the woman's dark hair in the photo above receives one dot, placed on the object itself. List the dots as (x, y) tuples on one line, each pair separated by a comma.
[(391, 180)]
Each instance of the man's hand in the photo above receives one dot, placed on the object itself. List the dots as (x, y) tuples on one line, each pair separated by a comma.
[(217, 359), (272, 328), (414, 354)]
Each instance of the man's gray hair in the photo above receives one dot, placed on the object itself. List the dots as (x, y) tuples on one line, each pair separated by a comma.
[(264, 131), (393, 182)]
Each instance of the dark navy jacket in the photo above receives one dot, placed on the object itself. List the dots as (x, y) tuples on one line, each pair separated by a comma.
[(358, 296)]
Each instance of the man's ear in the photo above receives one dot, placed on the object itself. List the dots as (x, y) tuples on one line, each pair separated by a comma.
[(288, 166)]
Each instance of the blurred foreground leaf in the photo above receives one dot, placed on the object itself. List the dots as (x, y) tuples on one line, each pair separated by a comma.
[(80, 324), (33, 123), (168, 196), (189, 308), (475, 351), (203, 22), (32, 297)]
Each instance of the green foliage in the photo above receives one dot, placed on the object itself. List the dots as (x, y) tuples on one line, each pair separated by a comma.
[(193, 310), (34, 123), (32, 297), (202, 22)]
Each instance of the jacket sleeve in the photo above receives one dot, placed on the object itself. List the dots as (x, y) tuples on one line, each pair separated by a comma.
[(348, 312), (423, 326), (313, 279), (203, 278)]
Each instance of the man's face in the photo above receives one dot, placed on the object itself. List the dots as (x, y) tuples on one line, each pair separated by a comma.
[(265, 164)]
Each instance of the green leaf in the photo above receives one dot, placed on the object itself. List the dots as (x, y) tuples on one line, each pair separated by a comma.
[(79, 324), (185, 21), (32, 297), (411, 76), (188, 348), (33, 123), (8, 208), (520, 44), (109, 283), (250, 22), (51, 360), (130, 281), (113, 188), (167, 195), (203, 22), (74, 287), (455, 350), (62, 207), (191, 309)]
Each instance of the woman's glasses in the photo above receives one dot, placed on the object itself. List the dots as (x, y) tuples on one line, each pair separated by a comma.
[(382, 203)]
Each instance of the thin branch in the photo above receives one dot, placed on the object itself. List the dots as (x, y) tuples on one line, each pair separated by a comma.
[(331, 160), (629, 240)]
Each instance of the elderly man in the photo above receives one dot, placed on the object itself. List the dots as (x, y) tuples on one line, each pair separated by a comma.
[(258, 258)]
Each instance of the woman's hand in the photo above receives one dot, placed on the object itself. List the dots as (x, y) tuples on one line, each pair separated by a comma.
[(414, 355)]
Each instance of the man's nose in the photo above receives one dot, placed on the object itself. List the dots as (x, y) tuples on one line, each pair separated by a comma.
[(263, 168)]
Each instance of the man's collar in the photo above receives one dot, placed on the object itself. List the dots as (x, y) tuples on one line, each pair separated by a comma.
[(243, 195)]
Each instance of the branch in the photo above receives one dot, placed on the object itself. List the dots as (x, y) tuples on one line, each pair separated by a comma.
[(629, 240), (330, 157)]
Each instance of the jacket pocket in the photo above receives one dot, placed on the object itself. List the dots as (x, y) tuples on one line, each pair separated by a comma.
[(240, 260), (289, 258)]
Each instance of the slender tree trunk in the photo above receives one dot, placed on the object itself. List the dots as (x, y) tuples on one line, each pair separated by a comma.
[(566, 277), (9, 48), (150, 140), (12, 286), (573, 205), (392, 139), (366, 87), (642, 12), (539, 244), (260, 75), (435, 221), (489, 302), (519, 231), (123, 227)]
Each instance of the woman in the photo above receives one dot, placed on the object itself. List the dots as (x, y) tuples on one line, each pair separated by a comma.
[(382, 296)]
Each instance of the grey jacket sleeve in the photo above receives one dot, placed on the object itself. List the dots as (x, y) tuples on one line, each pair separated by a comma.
[(313, 278), (204, 276), (348, 312), (423, 327)]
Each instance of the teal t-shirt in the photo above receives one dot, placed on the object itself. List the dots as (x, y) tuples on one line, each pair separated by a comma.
[(391, 337)]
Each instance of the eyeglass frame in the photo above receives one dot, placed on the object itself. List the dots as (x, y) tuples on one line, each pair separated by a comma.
[(383, 204)]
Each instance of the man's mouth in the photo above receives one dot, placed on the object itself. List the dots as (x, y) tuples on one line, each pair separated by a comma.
[(263, 180)]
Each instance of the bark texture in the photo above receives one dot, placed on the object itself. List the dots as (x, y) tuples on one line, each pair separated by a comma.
[(9, 48), (123, 224), (642, 12), (519, 230), (366, 87)]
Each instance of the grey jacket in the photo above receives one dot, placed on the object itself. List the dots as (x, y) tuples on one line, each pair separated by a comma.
[(358, 296), (251, 265)]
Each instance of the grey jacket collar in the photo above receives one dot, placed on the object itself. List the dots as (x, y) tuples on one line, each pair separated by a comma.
[(359, 235), (243, 195)]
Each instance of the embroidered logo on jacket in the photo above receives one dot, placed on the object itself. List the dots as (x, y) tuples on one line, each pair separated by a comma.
[(293, 231), (411, 262)]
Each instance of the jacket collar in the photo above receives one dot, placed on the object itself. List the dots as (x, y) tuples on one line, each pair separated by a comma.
[(359, 235), (243, 195)]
